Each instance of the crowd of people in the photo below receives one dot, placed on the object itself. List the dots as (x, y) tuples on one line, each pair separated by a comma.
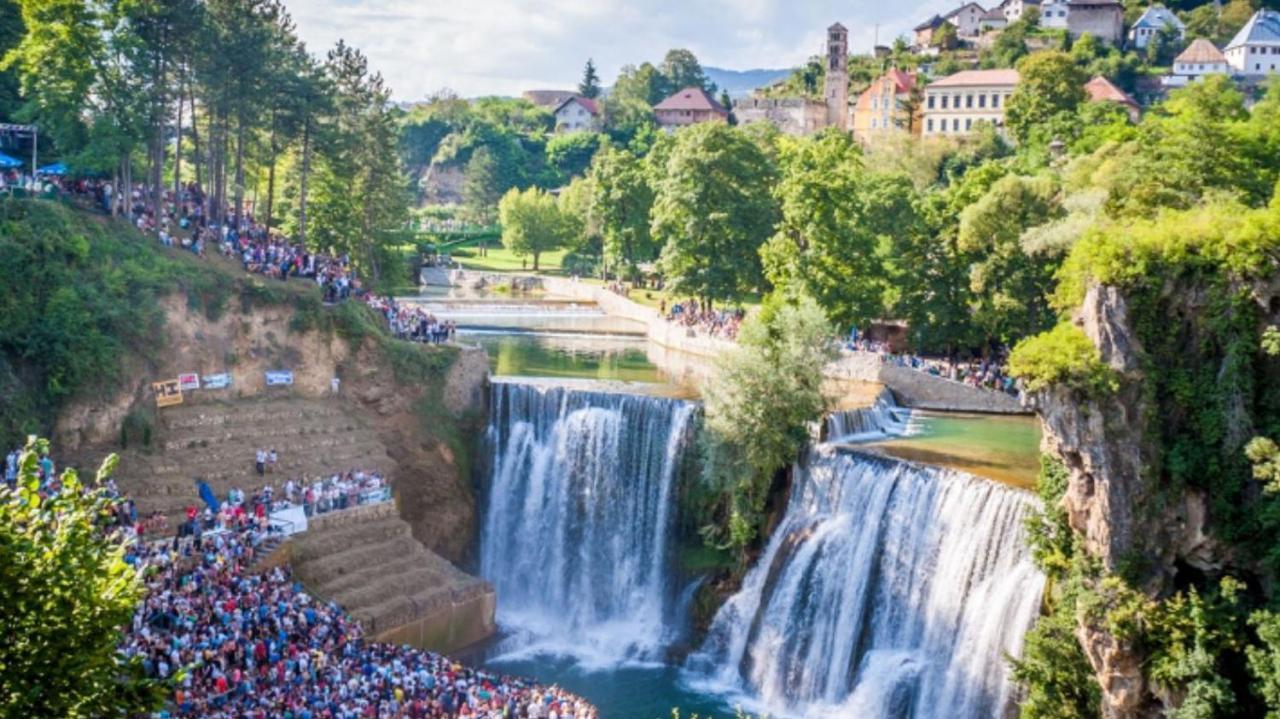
[(411, 322), (982, 373), (239, 644), (715, 323)]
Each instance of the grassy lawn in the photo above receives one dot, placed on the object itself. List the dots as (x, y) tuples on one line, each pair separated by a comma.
[(500, 259)]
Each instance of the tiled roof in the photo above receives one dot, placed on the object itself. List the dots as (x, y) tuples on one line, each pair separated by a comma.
[(994, 13), (1262, 29), (932, 23), (1202, 52), (587, 104), (1158, 16), (547, 98), (690, 98), (970, 78), (1101, 89), (903, 82), (962, 8)]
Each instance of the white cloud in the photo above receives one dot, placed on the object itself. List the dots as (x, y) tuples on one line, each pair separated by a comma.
[(501, 47)]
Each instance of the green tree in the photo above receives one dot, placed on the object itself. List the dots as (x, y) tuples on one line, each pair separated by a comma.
[(945, 38), (712, 212), (1050, 85), (621, 201), (481, 187), (629, 105), (759, 403), (532, 223), (11, 33), (837, 221), (681, 69), (65, 592), (590, 85), (570, 153), (1011, 286)]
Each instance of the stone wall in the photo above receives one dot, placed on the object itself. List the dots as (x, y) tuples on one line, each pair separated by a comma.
[(913, 389)]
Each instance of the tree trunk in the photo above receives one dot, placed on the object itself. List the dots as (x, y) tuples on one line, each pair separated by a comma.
[(177, 153), (535, 260), (239, 169), (195, 139), (271, 170), (302, 185)]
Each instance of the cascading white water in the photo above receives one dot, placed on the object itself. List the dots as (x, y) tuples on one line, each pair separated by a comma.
[(579, 508), (889, 590), (883, 419)]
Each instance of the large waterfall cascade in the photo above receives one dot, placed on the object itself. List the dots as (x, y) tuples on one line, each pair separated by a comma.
[(889, 590), (579, 510)]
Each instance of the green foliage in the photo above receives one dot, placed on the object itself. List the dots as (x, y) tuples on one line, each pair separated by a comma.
[(1010, 284), (532, 223), (65, 592), (621, 201), (1050, 84), (712, 211), (1059, 681), (837, 221), (1264, 660), (759, 403), (1064, 356), (590, 85), (570, 153)]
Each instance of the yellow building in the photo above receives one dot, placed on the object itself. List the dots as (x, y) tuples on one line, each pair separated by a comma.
[(885, 107)]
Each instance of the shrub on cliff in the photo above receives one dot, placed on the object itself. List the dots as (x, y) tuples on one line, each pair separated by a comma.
[(1063, 356)]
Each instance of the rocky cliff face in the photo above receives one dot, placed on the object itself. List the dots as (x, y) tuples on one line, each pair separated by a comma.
[(1116, 501), (419, 425)]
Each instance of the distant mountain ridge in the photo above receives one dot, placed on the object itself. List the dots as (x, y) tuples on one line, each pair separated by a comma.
[(742, 82)]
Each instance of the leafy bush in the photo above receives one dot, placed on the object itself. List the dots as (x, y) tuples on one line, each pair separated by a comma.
[(1063, 356)]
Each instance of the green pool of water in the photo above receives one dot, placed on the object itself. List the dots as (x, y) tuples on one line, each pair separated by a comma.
[(566, 356), (643, 692), (1006, 449)]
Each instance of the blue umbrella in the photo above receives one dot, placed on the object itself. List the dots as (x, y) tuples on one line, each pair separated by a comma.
[(9, 162), (57, 169)]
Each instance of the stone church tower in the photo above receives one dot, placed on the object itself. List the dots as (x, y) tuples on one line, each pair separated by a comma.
[(836, 88)]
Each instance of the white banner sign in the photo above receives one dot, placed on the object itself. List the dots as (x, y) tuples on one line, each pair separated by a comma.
[(189, 380), (216, 381), (279, 377)]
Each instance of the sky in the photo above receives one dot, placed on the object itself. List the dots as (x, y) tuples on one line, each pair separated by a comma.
[(503, 47)]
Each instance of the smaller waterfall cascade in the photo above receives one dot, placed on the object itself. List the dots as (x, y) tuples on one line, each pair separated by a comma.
[(579, 512), (890, 590), (883, 419)]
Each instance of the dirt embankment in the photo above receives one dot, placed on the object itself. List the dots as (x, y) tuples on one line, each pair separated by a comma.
[(427, 426)]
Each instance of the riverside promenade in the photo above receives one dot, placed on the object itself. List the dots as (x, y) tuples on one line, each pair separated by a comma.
[(913, 388)]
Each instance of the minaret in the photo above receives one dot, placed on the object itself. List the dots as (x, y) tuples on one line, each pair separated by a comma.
[(836, 88)]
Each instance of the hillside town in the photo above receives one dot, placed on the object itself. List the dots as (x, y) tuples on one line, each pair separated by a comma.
[(924, 99)]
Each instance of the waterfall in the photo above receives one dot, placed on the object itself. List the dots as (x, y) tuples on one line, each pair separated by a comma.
[(882, 419), (889, 590), (579, 511)]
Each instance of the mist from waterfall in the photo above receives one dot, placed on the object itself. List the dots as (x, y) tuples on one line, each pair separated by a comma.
[(889, 590), (579, 511)]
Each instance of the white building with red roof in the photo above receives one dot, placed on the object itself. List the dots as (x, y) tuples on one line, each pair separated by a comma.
[(1101, 89), (577, 114), (955, 104), (1199, 59)]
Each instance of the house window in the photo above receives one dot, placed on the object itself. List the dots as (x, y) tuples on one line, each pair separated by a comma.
[(955, 124), (968, 100), (928, 124), (944, 102), (982, 101), (873, 123), (968, 123), (930, 102), (995, 100)]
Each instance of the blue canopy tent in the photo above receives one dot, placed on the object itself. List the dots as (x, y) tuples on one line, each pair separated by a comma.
[(9, 163), (57, 169)]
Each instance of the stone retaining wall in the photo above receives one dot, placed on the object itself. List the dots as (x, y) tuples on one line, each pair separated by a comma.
[(913, 388)]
